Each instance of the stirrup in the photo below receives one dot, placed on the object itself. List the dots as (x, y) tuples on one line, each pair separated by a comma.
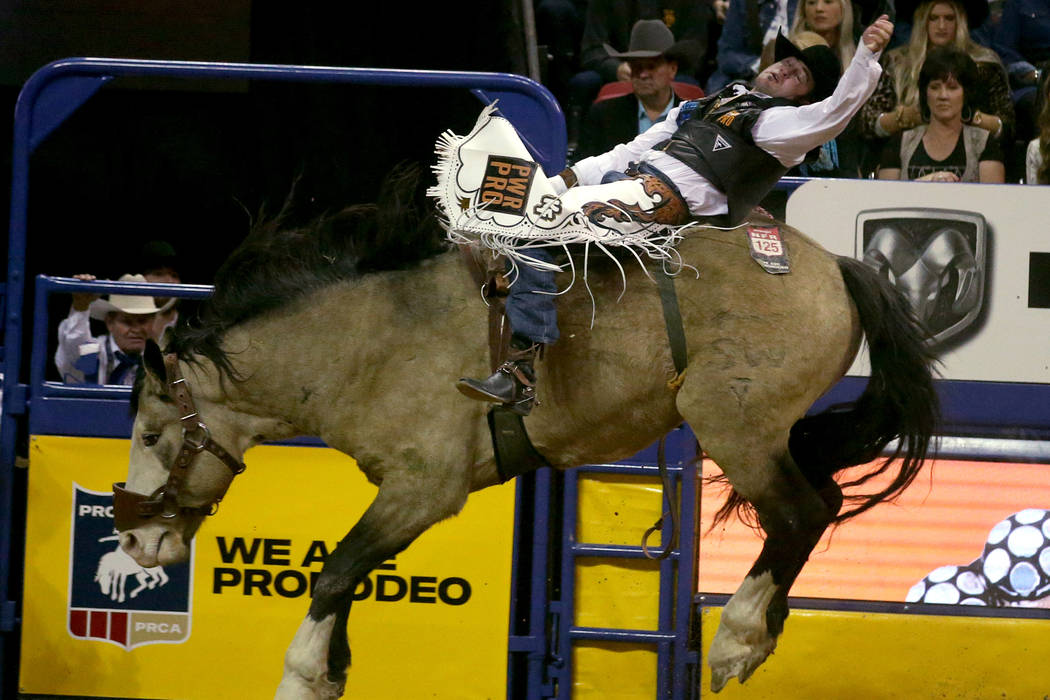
[(509, 385)]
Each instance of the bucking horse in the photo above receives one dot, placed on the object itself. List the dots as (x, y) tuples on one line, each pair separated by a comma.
[(354, 327)]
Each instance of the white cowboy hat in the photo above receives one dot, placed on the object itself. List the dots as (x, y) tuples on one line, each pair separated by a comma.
[(127, 303)]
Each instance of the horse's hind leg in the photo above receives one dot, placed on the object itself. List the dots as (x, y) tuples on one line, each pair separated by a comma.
[(407, 504), (750, 446), (754, 617)]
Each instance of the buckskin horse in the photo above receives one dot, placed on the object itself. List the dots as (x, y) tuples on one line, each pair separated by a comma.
[(325, 329)]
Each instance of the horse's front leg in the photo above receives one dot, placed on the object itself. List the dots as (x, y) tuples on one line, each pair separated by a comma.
[(408, 503), (754, 617)]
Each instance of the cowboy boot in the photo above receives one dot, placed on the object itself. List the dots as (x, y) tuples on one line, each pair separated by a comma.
[(513, 384)]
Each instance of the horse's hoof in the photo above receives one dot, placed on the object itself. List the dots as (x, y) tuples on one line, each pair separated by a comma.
[(729, 657)]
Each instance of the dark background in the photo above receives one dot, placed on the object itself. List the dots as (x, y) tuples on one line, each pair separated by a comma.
[(193, 163)]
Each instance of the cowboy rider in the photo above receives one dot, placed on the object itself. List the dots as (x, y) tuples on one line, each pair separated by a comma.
[(713, 159)]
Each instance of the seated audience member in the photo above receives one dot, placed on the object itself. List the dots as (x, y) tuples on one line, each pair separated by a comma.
[(1022, 38), (1037, 158), (610, 22), (825, 18), (895, 105), (653, 62), (749, 26), (160, 264), (945, 149), (559, 29), (113, 357)]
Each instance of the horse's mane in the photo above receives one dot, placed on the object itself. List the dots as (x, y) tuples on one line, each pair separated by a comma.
[(280, 261)]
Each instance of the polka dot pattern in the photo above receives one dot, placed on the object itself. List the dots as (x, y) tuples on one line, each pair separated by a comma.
[(951, 585), (1015, 567), (1018, 564)]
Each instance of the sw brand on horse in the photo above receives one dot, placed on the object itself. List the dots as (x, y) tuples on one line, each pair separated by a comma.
[(297, 341)]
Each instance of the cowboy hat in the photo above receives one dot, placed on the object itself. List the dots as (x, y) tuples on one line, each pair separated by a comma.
[(649, 38), (821, 61), (127, 303)]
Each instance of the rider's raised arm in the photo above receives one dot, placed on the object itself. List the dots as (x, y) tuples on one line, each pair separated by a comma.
[(788, 133)]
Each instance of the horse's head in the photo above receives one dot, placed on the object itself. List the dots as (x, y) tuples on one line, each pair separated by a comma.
[(185, 451)]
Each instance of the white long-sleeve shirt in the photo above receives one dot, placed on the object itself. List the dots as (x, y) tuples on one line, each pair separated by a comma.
[(77, 348), (787, 133)]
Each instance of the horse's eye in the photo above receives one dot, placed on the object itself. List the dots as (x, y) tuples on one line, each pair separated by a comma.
[(150, 439)]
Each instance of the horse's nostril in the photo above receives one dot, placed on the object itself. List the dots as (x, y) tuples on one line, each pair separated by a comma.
[(128, 542)]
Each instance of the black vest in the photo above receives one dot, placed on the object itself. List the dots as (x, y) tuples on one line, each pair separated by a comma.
[(714, 139)]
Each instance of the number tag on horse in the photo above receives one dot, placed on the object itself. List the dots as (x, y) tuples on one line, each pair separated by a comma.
[(768, 249)]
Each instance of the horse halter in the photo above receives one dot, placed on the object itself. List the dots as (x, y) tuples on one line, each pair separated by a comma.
[(130, 509)]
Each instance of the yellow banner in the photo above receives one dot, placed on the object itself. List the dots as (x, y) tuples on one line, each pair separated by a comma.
[(96, 624), (837, 654)]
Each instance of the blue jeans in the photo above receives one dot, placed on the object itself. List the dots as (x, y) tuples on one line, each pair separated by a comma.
[(533, 315)]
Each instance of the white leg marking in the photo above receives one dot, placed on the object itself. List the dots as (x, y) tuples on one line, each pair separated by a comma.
[(306, 664), (742, 641)]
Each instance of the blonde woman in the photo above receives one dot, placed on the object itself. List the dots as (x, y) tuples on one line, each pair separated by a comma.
[(827, 18), (820, 22), (938, 23)]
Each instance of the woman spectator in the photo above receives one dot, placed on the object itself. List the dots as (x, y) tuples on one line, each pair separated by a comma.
[(827, 18), (1037, 159), (946, 149), (893, 107)]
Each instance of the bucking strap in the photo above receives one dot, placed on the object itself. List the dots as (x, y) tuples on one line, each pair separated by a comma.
[(673, 322)]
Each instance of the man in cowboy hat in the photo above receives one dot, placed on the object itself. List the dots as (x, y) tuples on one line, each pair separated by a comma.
[(652, 58), (711, 160), (112, 358)]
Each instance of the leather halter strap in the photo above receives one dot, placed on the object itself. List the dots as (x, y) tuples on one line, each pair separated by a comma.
[(133, 509)]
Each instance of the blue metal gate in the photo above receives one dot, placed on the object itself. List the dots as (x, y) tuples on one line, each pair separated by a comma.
[(48, 98)]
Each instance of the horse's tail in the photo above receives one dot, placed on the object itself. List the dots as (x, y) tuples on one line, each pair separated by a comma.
[(899, 401)]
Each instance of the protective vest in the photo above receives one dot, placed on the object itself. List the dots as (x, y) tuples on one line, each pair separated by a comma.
[(714, 139)]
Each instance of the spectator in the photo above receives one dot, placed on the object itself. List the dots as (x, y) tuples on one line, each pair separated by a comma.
[(559, 29), (894, 106), (832, 20), (749, 26), (1022, 37), (112, 358), (1037, 158), (945, 150), (610, 22), (652, 59)]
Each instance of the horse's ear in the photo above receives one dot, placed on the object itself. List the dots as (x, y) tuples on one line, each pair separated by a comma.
[(166, 336), (153, 361)]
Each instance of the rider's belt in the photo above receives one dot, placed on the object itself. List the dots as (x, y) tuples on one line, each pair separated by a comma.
[(677, 211)]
